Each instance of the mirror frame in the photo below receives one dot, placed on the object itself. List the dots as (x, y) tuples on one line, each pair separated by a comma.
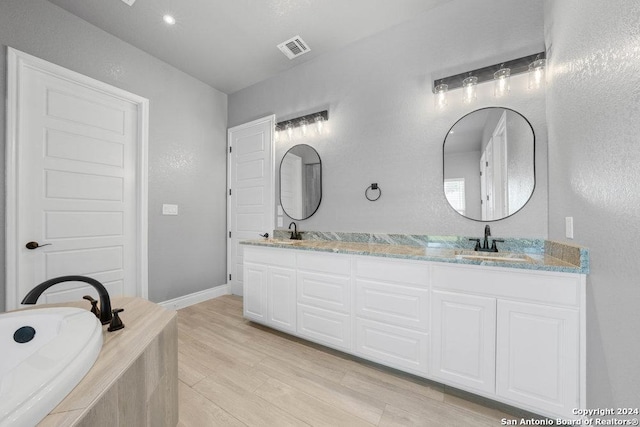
[(280, 182), (533, 189)]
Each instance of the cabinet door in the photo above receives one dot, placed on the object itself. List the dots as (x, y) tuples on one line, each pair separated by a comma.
[(255, 292), (464, 340), (281, 298), (538, 356)]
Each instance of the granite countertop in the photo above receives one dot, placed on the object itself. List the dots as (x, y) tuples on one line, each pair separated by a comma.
[(530, 260)]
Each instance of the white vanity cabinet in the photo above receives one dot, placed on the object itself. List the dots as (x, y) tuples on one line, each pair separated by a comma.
[(392, 312), (537, 356), (324, 299), (269, 288), (512, 335), (464, 340)]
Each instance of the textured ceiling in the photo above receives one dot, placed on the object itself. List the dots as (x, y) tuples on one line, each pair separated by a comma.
[(231, 44)]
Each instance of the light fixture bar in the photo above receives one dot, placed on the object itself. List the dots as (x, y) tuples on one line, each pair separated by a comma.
[(309, 118), (517, 66)]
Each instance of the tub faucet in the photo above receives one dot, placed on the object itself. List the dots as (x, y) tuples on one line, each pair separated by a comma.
[(294, 234), (105, 301)]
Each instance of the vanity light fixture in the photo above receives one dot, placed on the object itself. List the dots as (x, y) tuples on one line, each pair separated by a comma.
[(468, 81), (536, 72), (303, 123), (441, 95), (469, 89), (501, 81)]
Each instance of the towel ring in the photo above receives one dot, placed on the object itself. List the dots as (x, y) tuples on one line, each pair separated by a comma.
[(374, 187)]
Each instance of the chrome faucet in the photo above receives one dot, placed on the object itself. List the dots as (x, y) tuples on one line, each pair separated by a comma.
[(484, 247), (294, 234), (105, 301)]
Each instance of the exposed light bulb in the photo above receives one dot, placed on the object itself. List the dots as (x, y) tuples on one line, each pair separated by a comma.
[(169, 20), (536, 73), (303, 126), (441, 95), (289, 129), (469, 89), (319, 120), (502, 85)]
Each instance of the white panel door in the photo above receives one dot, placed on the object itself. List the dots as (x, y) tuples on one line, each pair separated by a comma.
[(251, 191), (77, 184), (538, 361), (464, 339)]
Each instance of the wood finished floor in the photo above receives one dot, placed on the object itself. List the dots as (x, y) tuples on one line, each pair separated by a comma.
[(235, 373)]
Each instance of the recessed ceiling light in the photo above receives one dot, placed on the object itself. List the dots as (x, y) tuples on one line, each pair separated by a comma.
[(170, 20)]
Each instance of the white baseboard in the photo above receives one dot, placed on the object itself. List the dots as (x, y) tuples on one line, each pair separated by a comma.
[(195, 298)]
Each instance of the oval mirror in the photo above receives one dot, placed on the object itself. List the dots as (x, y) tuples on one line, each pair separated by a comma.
[(489, 165), (300, 182)]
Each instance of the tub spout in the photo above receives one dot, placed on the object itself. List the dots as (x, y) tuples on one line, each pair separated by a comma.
[(105, 301)]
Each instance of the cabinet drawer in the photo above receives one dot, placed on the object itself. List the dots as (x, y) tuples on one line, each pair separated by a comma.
[(324, 291), (270, 256), (397, 347), (391, 303), (535, 286), (390, 270), (324, 263), (325, 327)]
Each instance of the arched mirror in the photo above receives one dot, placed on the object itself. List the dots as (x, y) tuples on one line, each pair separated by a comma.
[(300, 182), (489, 166)]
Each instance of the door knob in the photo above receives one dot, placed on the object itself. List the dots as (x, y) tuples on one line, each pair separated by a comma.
[(35, 245)]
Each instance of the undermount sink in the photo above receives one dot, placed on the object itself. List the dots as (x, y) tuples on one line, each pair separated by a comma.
[(492, 256)]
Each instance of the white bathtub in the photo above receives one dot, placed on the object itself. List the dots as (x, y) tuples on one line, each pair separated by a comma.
[(37, 374)]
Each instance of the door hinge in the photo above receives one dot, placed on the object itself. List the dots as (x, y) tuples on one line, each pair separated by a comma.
[(487, 197), (486, 164), (229, 191), (230, 149), (480, 173), (229, 234), (229, 277)]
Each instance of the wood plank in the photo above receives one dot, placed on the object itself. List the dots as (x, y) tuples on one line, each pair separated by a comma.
[(198, 411), (306, 407), (330, 392)]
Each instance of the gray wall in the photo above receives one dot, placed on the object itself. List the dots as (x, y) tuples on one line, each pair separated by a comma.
[(383, 126), (593, 108), (187, 140)]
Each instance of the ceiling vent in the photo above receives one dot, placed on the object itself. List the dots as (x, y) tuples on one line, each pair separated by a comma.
[(293, 47), (129, 2)]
